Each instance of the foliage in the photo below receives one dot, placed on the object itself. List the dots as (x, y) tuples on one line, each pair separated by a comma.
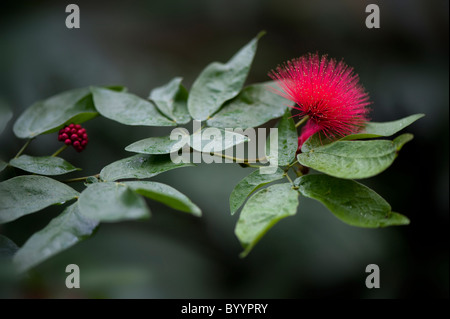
[(218, 97)]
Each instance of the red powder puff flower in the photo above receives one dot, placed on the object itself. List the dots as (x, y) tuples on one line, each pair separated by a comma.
[(327, 92)]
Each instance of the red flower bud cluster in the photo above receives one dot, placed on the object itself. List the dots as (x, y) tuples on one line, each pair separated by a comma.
[(74, 135)]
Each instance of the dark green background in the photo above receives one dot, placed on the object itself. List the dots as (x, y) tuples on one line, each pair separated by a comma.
[(403, 65)]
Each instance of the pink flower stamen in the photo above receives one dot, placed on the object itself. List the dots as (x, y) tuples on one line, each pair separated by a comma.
[(327, 92)]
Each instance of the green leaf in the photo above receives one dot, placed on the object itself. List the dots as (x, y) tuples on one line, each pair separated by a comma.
[(112, 202), (254, 106), (214, 139), (3, 165), (350, 201), (5, 115), (374, 129), (7, 248), (139, 166), (60, 234), (249, 184), (117, 88), (166, 195), (47, 116), (153, 145), (128, 108), (401, 140), (262, 211), (287, 140), (27, 194), (350, 159), (315, 141), (171, 100), (45, 165), (219, 82), (91, 180), (207, 140)]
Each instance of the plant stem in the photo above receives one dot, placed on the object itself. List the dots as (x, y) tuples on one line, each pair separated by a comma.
[(250, 165), (241, 160), (292, 164), (79, 179), (303, 120), (60, 150), (289, 179), (23, 148), (298, 172)]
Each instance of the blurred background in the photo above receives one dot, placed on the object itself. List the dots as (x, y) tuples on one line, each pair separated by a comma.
[(144, 44)]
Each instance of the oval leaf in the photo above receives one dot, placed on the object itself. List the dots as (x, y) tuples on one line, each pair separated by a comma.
[(112, 202), (287, 140), (350, 159), (139, 166), (128, 108), (5, 115), (51, 114), (24, 195), (401, 140), (262, 211), (218, 82), (249, 184), (350, 201), (45, 165), (212, 139), (165, 194), (254, 106), (315, 141), (171, 100), (7, 248), (153, 145), (3, 165), (374, 129), (60, 234)]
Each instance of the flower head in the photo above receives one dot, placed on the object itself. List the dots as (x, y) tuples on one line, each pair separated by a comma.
[(74, 135), (326, 91)]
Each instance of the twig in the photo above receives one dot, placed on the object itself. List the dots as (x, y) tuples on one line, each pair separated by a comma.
[(23, 148), (241, 160), (303, 120), (60, 150), (79, 179)]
